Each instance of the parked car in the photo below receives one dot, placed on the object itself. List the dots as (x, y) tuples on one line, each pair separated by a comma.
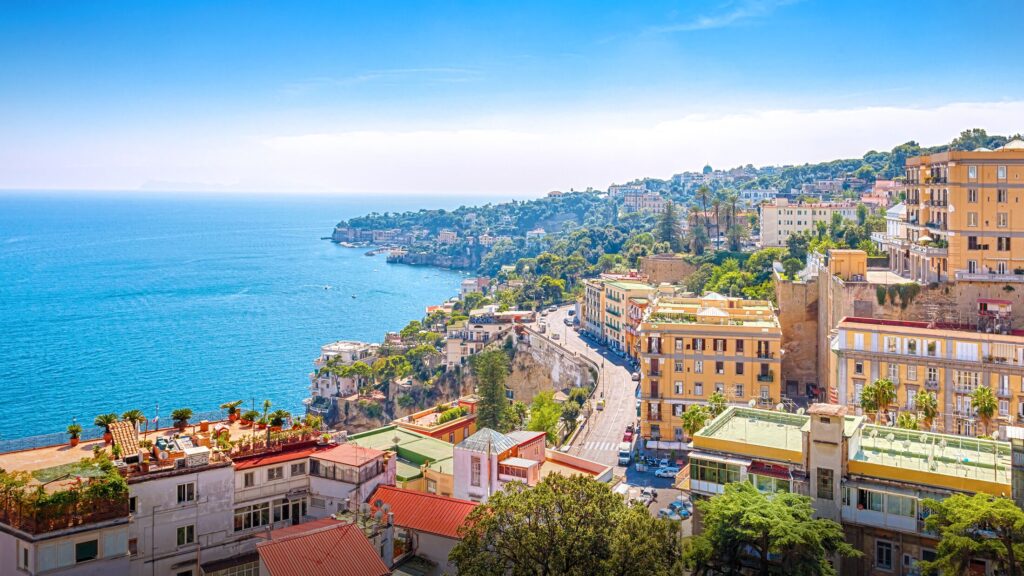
[(572, 312), (553, 309), (670, 514), (600, 404), (663, 463), (555, 336), (636, 376), (667, 472), (543, 312)]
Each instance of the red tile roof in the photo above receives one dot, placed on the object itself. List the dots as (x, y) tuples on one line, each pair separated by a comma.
[(298, 529), (337, 551), (297, 452), (424, 512), (349, 455)]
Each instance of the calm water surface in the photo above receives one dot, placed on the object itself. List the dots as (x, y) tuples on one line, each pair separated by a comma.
[(112, 303)]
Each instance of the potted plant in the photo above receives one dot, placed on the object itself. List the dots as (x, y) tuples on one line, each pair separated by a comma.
[(249, 416), (181, 417), (261, 424), (277, 419), (232, 408), (135, 416), (104, 421), (74, 432)]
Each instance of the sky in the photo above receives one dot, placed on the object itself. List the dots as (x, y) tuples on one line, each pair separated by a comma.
[(510, 99)]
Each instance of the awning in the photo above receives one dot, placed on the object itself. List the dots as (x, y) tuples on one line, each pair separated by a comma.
[(762, 469), (722, 459), (666, 445)]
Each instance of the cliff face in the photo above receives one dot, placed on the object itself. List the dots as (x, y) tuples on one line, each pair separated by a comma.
[(438, 260)]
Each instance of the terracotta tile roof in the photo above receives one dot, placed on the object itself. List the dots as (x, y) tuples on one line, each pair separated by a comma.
[(299, 529), (424, 512), (125, 437), (338, 551), (297, 452), (349, 455)]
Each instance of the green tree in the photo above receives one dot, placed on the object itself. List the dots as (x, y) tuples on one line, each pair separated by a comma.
[(136, 417), (668, 229), (491, 369), (411, 330), (544, 415), (985, 403), (565, 525), (716, 404), (798, 244), (694, 418), (743, 522), (698, 232), (876, 398), (791, 267), (927, 406), (975, 527), (907, 421), (570, 412)]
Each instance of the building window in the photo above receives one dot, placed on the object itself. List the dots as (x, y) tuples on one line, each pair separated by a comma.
[(132, 503), (894, 372), (24, 559), (249, 479), (719, 367), (825, 484), (475, 471), (678, 388), (845, 491), (1003, 244), (912, 372), (1004, 407), (698, 344), (883, 554), (739, 390), (972, 219), (870, 499), (1001, 195), (972, 172), (88, 550), (248, 517), (739, 346), (714, 472), (276, 473), (133, 546), (698, 389), (972, 195), (739, 368), (678, 365), (186, 492), (698, 366), (1002, 219), (1001, 172), (431, 486), (299, 469), (679, 344), (186, 535), (858, 367)]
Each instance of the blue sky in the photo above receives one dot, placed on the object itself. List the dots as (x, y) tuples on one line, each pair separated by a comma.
[(514, 98)]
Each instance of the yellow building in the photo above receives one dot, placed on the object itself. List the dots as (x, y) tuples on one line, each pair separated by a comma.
[(951, 362), (869, 478), (963, 217), (693, 347), (617, 294)]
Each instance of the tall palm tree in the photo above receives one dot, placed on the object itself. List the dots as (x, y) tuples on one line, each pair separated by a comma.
[(927, 406), (694, 419), (985, 404), (876, 397), (716, 203)]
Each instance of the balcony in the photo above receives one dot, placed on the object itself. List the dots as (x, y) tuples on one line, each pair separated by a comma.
[(990, 277), (929, 251), (769, 377), (613, 312), (766, 355), (935, 225), (931, 384), (1003, 393), (938, 203)]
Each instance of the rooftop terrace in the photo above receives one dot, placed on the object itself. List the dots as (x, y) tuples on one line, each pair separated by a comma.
[(758, 433)]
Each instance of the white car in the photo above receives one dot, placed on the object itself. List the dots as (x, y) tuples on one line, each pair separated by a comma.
[(667, 472), (555, 336)]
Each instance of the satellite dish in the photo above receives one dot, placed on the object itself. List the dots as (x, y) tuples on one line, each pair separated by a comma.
[(378, 515), (874, 434), (890, 437), (800, 411), (752, 403), (164, 455), (779, 407)]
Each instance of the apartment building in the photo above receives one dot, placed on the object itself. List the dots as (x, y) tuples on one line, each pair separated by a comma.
[(948, 361), (617, 294), (423, 463), (447, 236), (326, 386), (485, 325), (635, 312), (452, 422), (594, 303), (962, 221), (691, 348), (782, 219), (621, 190), (869, 478), (644, 202)]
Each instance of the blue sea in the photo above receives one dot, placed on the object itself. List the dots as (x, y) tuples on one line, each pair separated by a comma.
[(109, 303)]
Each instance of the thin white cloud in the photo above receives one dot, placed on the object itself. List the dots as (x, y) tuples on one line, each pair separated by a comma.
[(729, 15), (441, 74), (510, 156)]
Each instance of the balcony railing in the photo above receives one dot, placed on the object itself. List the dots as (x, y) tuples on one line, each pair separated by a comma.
[(1003, 392), (41, 518), (931, 384), (990, 277), (935, 225), (938, 203), (766, 355), (769, 377), (931, 251)]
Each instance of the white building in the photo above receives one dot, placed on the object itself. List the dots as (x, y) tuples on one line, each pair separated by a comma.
[(621, 190), (326, 386), (894, 240), (94, 548), (781, 219)]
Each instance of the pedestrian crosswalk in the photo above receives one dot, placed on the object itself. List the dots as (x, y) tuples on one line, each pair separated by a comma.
[(600, 446)]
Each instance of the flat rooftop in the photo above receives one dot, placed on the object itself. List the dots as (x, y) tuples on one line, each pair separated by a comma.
[(959, 457), (629, 285), (413, 449), (757, 429)]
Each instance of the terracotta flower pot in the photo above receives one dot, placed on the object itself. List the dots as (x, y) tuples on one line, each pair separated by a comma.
[(261, 426), (232, 417), (108, 437), (275, 428), (246, 422), (75, 441)]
